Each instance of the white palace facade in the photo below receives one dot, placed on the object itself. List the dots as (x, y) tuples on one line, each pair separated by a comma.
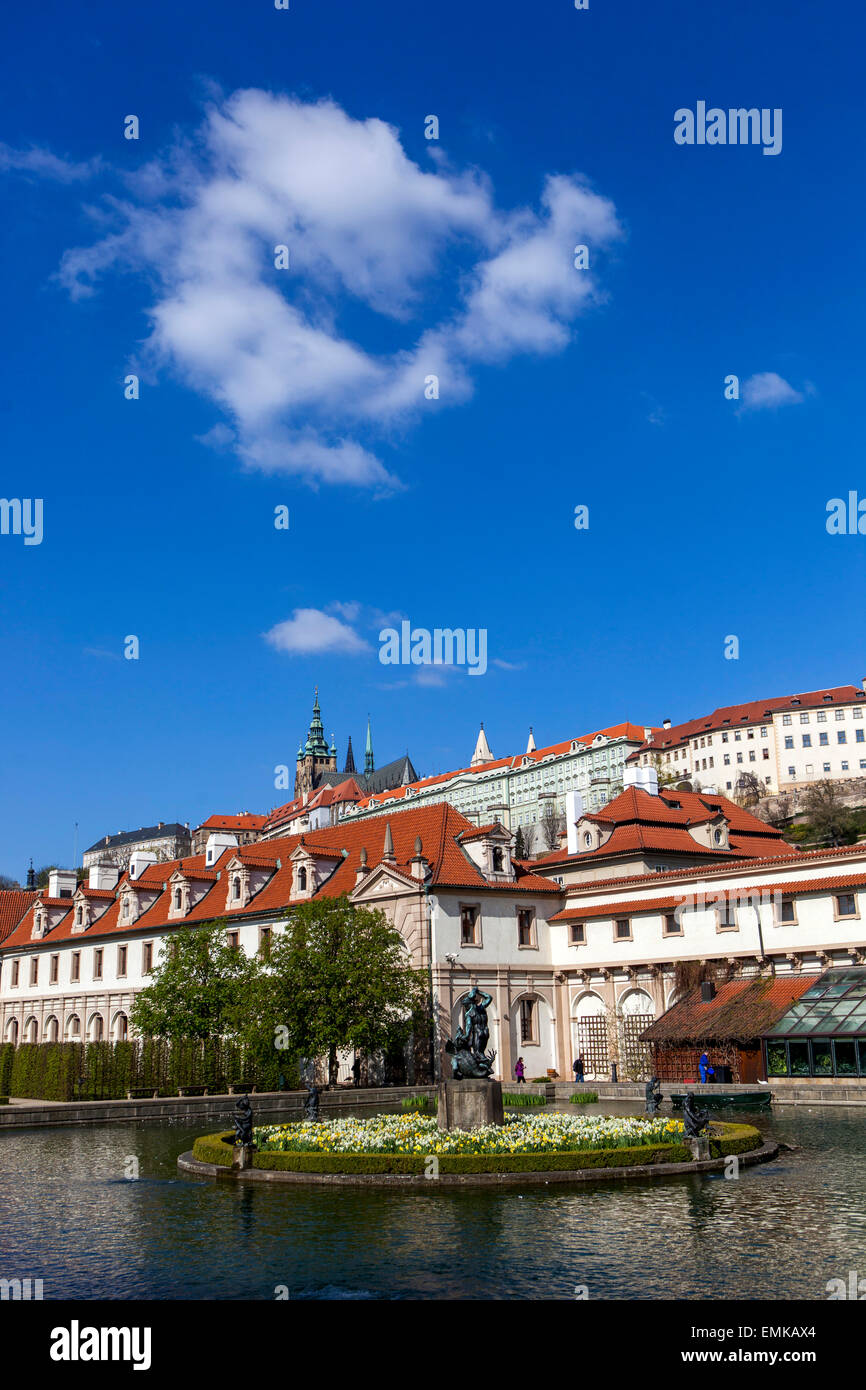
[(578, 950)]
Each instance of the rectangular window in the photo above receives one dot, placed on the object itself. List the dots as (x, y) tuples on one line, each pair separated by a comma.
[(792, 772), (823, 740), (726, 917), (826, 767), (739, 757), (763, 732), (54, 972), (525, 927), (724, 738), (751, 755), (121, 962), (578, 933), (786, 720), (822, 716), (844, 767), (527, 1020), (34, 970), (671, 927), (234, 939), (622, 929), (856, 714), (97, 963), (13, 983), (469, 925), (840, 714), (727, 760), (265, 943), (859, 734), (804, 718), (846, 905), (841, 736), (75, 968), (766, 753), (147, 958), (789, 741), (787, 911), (807, 740)]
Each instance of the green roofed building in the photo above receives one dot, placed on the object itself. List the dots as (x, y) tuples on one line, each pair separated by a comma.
[(824, 1032)]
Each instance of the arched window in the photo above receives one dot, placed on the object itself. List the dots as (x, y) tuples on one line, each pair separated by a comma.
[(120, 1027), (31, 1030), (498, 861), (78, 915), (302, 880), (178, 897), (12, 1031), (236, 886), (73, 1028), (51, 1029), (96, 1028)]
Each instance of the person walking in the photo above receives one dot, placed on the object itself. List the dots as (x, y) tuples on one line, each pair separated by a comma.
[(519, 1071), (356, 1070), (706, 1071), (577, 1067)]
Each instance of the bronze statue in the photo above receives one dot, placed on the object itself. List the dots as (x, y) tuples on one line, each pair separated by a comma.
[(695, 1121), (467, 1048), (653, 1094), (311, 1105), (243, 1122)]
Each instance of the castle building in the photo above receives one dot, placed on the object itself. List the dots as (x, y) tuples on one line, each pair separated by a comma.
[(317, 764)]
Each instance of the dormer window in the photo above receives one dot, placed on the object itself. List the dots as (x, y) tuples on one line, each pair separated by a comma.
[(302, 879), (498, 861), (178, 899), (79, 916), (236, 887), (125, 911)]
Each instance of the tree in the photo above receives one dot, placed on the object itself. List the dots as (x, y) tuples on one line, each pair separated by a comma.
[(519, 844), (7, 882), (663, 772), (551, 826), (199, 987), (42, 875), (749, 789), (827, 816), (528, 839), (339, 977)]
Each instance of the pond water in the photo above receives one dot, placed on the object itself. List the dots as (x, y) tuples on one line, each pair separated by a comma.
[(71, 1216)]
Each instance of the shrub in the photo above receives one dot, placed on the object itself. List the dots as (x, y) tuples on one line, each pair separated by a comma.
[(523, 1098), (584, 1098), (420, 1103)]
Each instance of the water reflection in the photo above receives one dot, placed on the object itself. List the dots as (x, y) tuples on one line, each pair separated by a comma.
[(72, 1218)]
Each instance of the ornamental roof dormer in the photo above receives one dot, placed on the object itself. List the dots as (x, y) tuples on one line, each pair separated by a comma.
[(489, 848)]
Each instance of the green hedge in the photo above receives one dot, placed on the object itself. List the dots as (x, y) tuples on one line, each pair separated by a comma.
[(217, 1149), (107, 1071)]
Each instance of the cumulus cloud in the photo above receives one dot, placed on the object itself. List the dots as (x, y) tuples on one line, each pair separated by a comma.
[(311, 630), (461, 281), (768, 391)]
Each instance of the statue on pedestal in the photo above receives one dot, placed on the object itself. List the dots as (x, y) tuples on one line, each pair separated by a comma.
[(243, 1123), (695, 1121), (467, 1048), (653, 1094)]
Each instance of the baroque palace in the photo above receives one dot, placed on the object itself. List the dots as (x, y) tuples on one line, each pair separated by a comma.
[(579, 950)]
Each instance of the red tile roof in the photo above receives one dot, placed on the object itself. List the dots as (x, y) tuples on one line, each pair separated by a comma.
[(438, 826), (245, 821), (741, 1010), (836, 883), (14, 903)]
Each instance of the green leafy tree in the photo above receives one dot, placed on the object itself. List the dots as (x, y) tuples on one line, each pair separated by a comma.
[(199, 987), (519, 844), (7, 882), (339, 977)]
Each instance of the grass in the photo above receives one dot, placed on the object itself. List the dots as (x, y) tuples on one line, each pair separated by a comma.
[(584, 1098), (523, 1098)]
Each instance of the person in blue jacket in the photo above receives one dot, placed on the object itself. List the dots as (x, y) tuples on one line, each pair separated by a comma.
[(705, 1069)]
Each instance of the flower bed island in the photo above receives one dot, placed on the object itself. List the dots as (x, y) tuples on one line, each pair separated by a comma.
[(405, 1145)]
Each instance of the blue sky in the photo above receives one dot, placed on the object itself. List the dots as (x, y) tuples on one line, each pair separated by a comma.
[(304, 388)]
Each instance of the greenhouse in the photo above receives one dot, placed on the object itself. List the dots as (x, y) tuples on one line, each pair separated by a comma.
[(824, 1032)]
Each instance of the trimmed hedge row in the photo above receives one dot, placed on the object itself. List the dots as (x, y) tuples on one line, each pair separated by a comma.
[(107, 1071), (217, 1149)]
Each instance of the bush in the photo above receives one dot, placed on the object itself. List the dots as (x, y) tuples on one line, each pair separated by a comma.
[(420, 1103), (523, 1098), (584, 1098)]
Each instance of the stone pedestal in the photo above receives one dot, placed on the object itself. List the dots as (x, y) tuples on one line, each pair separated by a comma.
[(242, 1157), (700, 1148), (469, 1103)]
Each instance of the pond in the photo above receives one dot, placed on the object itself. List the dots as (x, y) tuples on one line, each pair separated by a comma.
[(73, 1217)]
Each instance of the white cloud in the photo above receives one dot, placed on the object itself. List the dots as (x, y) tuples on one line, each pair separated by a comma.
[(365, 226), (767, 391), (309, 630), (46, 165)]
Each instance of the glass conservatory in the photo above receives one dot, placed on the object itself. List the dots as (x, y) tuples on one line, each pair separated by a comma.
[(824, 1033)]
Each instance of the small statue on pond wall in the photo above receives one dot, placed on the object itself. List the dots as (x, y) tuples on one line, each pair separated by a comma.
[(243, 1122), (653, 1094), (311, 1105), (695, 1121)]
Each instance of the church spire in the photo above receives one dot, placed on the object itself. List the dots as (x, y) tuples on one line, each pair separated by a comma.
[(530, 744), (316, 742), (369, 765), (350, 758), (482, 752)]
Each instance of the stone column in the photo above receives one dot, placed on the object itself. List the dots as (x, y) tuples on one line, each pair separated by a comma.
[(503, 1009)]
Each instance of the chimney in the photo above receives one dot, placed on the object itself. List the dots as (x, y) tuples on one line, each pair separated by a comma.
[(62, 883), (139, 861), (103, 876), (573, 813), (666, 723), (708, 992), (217, 842)]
